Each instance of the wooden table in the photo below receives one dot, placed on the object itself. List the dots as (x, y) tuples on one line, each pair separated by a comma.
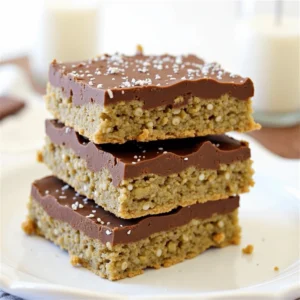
[(284, 142)]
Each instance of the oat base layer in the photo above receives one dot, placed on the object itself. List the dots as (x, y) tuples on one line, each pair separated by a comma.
[(126, 121)]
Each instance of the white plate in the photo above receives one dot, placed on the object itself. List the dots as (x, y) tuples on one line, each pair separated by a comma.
[(32, 267)]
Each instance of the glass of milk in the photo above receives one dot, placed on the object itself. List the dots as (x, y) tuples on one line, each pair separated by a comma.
[(268, 51), (68, 31)]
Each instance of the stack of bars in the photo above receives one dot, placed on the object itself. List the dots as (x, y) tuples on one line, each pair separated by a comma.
[(143, 173)]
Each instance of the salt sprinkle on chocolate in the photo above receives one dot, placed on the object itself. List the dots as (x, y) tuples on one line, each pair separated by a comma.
[(65, 187), (110, 93), (68, 129)]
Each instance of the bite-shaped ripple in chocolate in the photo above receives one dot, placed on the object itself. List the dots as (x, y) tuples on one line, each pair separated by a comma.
[(163, 158)]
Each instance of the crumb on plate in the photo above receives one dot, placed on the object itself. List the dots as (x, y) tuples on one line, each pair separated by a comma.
[(248, 249), (39, 156), (29, 227)]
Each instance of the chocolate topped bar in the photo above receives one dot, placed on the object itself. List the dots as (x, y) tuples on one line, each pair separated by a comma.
[(163, 158), (154, 80), (61, 202)]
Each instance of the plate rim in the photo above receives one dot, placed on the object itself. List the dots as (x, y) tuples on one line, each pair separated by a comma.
[(21, 288)]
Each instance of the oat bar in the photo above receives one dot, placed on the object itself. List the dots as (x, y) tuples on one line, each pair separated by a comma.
[(136, 179), (114, 248), (117, 98)]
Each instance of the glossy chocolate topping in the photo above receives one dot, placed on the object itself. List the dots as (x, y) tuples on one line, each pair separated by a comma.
[(61, 202), (155, 80), (163, 158)]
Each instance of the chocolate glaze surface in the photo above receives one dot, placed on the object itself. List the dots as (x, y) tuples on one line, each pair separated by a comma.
[(61, 202), (163, 158), (155, 80)]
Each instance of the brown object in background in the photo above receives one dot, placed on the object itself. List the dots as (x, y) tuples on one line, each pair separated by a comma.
[(284, 142), (23, 63), (10, 106)]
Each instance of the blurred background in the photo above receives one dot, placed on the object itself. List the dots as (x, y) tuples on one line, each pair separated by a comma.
[(257, 39)]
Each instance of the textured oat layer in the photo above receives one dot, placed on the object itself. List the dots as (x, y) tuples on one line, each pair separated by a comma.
[(128, 260), (150, 194), (125, 121)]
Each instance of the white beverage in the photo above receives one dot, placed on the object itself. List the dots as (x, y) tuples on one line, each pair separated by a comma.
[(69, 31), (269, 53)]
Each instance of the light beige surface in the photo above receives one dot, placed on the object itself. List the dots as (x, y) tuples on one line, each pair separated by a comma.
[(127, 260), (125, 121), (148, 194)]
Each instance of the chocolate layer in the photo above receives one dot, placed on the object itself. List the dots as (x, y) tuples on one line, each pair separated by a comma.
[(61, 202), (155, 80), (163, 158)]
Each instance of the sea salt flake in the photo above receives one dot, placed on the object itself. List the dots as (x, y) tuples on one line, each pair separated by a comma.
[(65, 187), (113, 70), (141, 82), (110, 93), (74, 206)]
